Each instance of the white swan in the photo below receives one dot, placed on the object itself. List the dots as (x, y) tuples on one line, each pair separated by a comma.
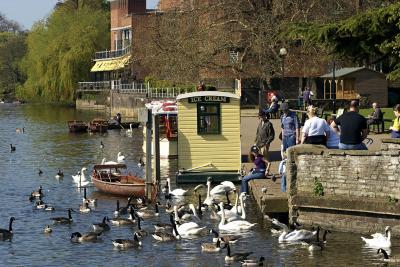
[(296, 235), (379, 240), (209, 199), (234, 225), (189, 228), (104, 162), (80, 178), (130, 130), (120, 158), (176, 192), (222, 188)]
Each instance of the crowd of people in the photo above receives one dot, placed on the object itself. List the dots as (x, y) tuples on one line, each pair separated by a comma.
[(346, 132)]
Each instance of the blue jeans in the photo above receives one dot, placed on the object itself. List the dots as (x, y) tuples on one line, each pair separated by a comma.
[(360, 146), (244, 187), (395, 134), (283, 183), (288, 141)]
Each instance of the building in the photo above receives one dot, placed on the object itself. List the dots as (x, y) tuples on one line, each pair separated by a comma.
[(356, 82)]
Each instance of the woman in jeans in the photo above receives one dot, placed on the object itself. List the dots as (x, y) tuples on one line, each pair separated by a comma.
[(315, 130), (260, 170), (396, 123)]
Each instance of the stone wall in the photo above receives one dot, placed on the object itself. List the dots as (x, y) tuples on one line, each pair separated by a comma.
[(356, 191), (127, 105)]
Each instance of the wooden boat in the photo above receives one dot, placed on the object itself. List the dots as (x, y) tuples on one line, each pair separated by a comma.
[(124, 125), (109, 179), (77, 126), (98, 125)]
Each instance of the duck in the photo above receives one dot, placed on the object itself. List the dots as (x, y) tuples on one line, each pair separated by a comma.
[(60, 174), (236, 256), (86, 237), (231, 239), (84, 208), (7, 234), (128, 243), (103, 226), (211, 247), (48, 229), (386, 257), (12, 148), (379, 240), (222, 188), (234, 225), (165, 236), (253, 262), (120, 158), (130, 130), (146, 213), (63, 220), (90, 201), (178, 192), (80, 178)]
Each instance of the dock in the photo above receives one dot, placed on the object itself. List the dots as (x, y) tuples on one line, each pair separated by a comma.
[(273, 201)]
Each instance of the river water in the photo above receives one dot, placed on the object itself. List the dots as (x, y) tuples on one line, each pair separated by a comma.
[(47, 144)]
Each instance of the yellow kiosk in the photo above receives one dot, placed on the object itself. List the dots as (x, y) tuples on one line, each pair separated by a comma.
[(208, 137)]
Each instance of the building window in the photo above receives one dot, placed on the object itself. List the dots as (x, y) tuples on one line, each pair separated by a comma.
[(208, 118)]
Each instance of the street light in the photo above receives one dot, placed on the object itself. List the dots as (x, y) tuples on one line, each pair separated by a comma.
[(282, 54)]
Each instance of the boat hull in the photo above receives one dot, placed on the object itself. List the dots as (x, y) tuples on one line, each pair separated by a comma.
[(77, 126), (120, 189)]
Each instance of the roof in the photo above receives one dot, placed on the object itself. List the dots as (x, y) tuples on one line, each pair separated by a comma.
[(206, 93), (110, 64), (346, 71)]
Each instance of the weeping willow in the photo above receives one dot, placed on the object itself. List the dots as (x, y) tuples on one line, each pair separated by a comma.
[(61, 49)]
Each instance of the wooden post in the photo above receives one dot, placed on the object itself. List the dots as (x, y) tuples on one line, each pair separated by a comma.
[(324, 89), (330, 89), (157, 150), (149, 183), (342, 89)]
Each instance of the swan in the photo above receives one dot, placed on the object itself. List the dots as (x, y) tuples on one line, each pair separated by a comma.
[(236, 256), (296, 235), (209, 199), (120, 158), (222, 188), (86, 237), (103, 226), (63, 220), (7, 234), (379, 240), (104, 162), (128, 243), (386, 256), (231, 239), (47, 229), (233, 213), (80, 178), (189, 228), (176, 192), (211, 247), (234, 225), (130, 130)]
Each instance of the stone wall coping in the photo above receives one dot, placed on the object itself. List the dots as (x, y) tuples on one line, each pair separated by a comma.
[(391, 140), (320, 150)]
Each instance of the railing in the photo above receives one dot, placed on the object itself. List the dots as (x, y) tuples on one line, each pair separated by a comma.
[(112, 53), (94, 86)]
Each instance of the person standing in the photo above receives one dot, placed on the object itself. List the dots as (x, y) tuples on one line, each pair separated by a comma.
[(290, 127), (353, 128), (396, 123), (315, 130), (306, 97), (265, 134)]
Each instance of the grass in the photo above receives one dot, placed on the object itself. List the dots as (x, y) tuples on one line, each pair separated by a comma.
[(388, 115)]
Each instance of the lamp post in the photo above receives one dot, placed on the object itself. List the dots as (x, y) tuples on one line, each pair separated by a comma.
[(282, 54)]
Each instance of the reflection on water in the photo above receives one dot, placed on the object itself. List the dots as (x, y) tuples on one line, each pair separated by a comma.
[(48, 145)]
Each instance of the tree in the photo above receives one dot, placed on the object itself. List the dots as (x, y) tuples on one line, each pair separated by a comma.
[(60, 50)]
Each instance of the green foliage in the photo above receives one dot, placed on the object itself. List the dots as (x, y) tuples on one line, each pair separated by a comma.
[(60, 50), (318, 189), (156, 83)]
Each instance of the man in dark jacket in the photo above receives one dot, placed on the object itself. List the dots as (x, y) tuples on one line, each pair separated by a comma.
[(265, 134), (376, 116)]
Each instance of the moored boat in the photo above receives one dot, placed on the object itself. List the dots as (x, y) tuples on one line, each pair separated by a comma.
[(77, 126), (109, 179), (98, 125), (123, 125)]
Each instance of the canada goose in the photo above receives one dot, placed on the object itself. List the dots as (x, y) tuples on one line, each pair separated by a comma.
[(140, 230), (47, 229), (84, 208), (122, 210), (20, 130), (379, 240), (141, 163), (128, 243), (124, 221), (120, 158), (60, 174), (7, 234), (90, 201), (101, 145), (36, 194), (146, 213), (231, 239), (101, 227), (253, 262), (165, 226), (63, 220), (86, 237), (167, 237), (317, 245), (176, 192), (48, 208), (234, 225), (211, 247), (164, 190), (40, 172), (386, 256), (236, 256), (80, 178), (12, 148)]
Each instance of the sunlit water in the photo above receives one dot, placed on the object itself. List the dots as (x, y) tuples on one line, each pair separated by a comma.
[(48, 145)]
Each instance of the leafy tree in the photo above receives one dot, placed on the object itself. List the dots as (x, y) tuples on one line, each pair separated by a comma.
[(60, 49)]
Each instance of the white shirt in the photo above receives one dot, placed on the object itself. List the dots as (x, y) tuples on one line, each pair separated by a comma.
[(315, 126)]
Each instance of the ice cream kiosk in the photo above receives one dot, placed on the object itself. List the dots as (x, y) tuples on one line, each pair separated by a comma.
[(208, 137)]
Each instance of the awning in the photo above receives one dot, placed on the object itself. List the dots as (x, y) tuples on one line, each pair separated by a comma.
[(109, 65)]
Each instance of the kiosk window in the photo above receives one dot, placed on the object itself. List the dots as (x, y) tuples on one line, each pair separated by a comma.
[(208, 118)]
